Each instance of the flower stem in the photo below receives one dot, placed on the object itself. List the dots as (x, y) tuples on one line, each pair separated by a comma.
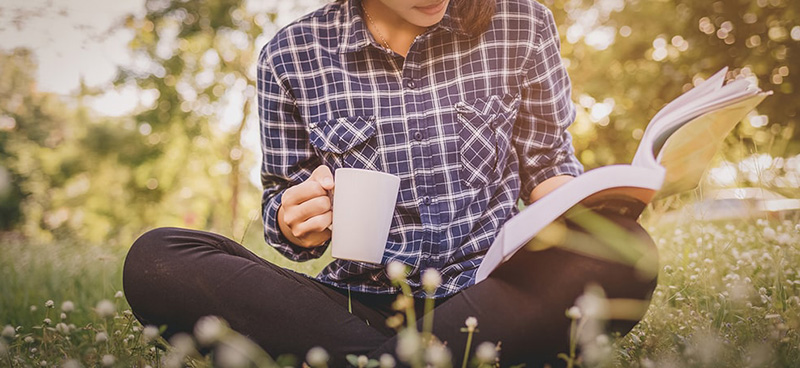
[(427, 319), (466, 351)]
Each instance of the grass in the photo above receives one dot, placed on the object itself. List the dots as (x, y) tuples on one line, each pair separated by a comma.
[(728, 295)]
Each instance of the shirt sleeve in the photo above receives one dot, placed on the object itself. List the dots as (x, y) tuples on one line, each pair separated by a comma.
[(287, 157), (540, 136)]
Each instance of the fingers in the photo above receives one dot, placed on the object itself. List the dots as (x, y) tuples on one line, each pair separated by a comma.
[(296, 214), (302, 192), (306, 208), (317, 185), (322, 175), (315, 229)]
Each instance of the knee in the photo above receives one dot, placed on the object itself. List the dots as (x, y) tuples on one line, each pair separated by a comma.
[(147, 254), (148, 244)]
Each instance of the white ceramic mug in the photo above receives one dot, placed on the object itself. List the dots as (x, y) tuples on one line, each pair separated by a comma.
[(363, 205)]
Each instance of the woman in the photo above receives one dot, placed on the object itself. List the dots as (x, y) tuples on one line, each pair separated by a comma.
[(467, 101)]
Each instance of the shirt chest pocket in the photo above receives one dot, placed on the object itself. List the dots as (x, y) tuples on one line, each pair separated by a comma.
[(485, 127), (347, 142)]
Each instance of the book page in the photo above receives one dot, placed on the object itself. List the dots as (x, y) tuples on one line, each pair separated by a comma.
[(521, 228), (730, 94), (688, 152)]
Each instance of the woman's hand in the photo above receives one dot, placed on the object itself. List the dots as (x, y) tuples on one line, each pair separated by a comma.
[(548, 186), (305, 211)]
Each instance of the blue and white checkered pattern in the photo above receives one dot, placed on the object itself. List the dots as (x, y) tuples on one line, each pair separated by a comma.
[(469, 124)]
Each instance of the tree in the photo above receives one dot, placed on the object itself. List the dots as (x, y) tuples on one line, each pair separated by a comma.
[(656, 49)]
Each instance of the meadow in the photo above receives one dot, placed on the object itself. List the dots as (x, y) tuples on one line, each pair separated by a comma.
[(728, 296), (78, 185)]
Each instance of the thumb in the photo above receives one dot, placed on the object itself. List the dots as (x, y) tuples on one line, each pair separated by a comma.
[(322, 175)]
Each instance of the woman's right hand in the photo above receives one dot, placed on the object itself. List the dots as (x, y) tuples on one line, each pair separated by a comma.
[(305, 212)]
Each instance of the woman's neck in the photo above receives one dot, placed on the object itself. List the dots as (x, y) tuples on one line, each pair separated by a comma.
[(389, 26)]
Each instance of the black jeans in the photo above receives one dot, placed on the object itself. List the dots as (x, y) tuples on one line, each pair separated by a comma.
[(175, 276)]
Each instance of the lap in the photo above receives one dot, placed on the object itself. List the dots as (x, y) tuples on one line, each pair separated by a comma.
[(523, 302)]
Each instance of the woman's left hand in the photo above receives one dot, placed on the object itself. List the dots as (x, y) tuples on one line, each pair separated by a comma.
[(548, 186)]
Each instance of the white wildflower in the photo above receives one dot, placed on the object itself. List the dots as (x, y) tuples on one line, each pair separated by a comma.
[(62, 328), (317, 356), (408, 343), (150, 333), (231, 356), (387, 361), (101, 337), (209, 329), (67, 306), (437, 355), (8, 332), (173, 360), (33, 308), (108, 360), (182, 342), (486, 352), (71, 363), (34, 350), (105, 308), (118, 295), (593, 303), (43, 363), (431, 279), (49, 304), (47, 321), (769, 233), (63, 316), (28, 339), (403, 302), (363, 360), (471, 323), (396, 270), (574, 313)]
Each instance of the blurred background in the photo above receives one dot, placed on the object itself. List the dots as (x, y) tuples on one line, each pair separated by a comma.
[(116, 117)]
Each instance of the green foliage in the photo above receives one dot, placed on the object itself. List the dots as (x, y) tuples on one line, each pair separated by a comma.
[(728, 295), (181, 161), (659, 49)]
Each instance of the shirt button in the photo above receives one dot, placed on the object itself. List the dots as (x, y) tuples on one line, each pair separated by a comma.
[(418, 135), (427, 200), (410, 84)]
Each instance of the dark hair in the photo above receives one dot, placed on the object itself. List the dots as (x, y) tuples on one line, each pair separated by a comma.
[(472, 16)]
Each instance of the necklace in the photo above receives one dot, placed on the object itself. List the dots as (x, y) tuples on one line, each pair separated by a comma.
[(383, 39)]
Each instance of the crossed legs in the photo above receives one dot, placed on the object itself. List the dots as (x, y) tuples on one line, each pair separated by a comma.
[(175, 276)]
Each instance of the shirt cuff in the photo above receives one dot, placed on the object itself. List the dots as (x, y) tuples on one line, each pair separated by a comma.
[(274, 236), (571, 167)]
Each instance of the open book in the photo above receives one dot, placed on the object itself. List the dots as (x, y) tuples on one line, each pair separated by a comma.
[(674, 153)]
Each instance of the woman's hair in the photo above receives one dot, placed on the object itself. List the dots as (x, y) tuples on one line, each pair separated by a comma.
[(473, 15)]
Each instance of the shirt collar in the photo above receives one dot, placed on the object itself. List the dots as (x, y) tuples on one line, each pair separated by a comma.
[(355, 35)]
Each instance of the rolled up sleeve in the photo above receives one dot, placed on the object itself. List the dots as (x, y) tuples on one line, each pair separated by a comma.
[(287, 156), (542, 142)]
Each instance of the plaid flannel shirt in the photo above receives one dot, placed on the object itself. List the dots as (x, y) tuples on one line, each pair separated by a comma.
[(469, 124)]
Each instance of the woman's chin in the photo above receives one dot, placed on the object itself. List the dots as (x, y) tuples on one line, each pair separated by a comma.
[(428, 16)]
